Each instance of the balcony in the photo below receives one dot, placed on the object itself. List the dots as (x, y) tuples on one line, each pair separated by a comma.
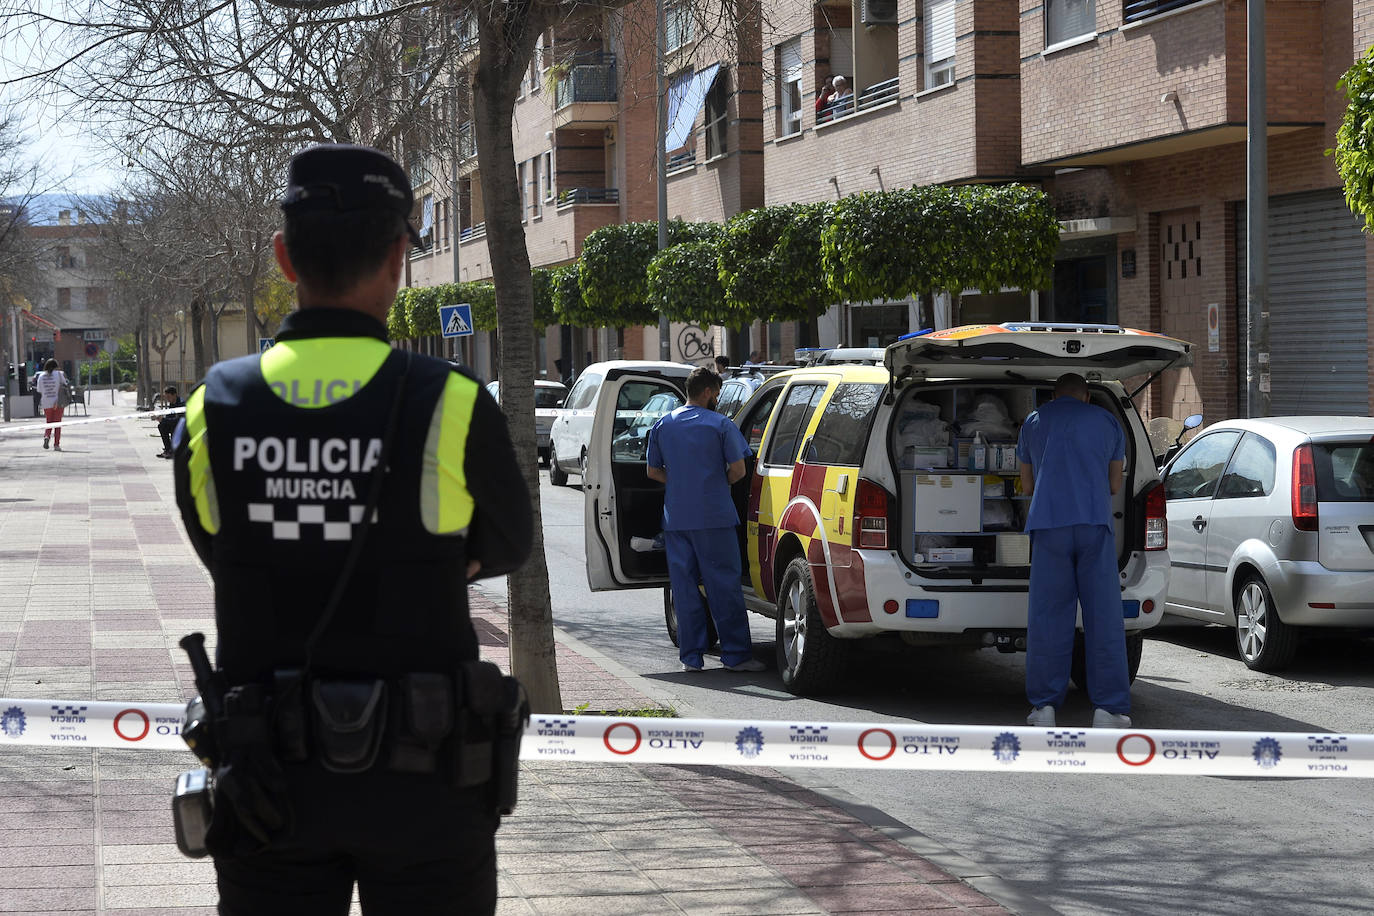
[(875, 96), (570, 196), (586, 93), (476, 231)]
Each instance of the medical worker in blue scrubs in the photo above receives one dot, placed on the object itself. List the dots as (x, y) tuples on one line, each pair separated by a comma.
[(1071, 454), (697, 454)]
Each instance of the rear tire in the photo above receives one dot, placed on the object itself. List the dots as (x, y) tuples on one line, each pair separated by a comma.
[(810, 660), (670, 619), (556, 475), (1078, 672), (1265, 642)]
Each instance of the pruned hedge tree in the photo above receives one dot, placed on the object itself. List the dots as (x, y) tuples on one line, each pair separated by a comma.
[(1354, 150), (613, 272)]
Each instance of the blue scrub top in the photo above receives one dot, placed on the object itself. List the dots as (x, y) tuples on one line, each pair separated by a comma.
[(695, 446), (1068, 445)]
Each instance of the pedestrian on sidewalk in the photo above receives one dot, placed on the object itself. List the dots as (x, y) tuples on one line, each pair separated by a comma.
[(52, 388), (698, 454), (343, 493), (167, 424), (1071, 454)]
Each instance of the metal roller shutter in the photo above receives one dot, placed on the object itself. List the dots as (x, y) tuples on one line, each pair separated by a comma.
[(1319, 313)]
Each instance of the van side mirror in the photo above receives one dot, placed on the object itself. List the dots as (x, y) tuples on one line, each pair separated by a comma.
[(561, 402), (1193, 422)]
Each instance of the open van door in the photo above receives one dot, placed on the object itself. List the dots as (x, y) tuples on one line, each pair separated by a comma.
[(623, 508), (1035, 350)]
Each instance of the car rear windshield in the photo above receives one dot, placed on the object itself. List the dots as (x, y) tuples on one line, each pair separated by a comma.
[(1345, 471), (547, 398), (842, 433)]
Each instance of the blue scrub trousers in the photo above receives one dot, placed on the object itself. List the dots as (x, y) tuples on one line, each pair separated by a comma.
[(1070, 566), (709, 556)]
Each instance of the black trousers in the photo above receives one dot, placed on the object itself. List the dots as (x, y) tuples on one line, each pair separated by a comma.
[(165, 427), (414, 846)]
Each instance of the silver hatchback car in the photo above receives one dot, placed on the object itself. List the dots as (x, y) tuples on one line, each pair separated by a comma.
[(1271, 530)]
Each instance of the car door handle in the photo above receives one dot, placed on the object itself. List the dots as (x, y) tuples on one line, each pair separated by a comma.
[(1199, 523)]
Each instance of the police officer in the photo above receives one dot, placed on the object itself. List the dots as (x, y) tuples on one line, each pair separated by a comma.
[(1072, 453), (274, 465)]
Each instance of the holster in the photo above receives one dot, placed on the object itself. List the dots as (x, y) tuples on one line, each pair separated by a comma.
[(350, 722)]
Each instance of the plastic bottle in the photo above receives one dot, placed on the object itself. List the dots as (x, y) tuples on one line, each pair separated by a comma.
[(978, 453)]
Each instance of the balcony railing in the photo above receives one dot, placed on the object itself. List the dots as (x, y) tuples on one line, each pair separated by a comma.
[(874, 96), (588, 78), (1136, 10), (475, 231), (682, 160), (569, 196)]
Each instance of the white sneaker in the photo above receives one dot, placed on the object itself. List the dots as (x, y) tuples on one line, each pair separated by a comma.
[(752, 664), (691, 669), (1104, 719), (644, 545), (1041, 717)]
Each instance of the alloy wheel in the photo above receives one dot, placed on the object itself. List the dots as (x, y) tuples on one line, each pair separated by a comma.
[(794, 626), (1252, 620)]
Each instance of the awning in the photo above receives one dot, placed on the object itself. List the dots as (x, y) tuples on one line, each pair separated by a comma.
[(685, 97)]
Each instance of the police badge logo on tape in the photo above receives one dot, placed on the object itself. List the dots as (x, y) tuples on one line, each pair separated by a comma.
[(749, 742), (1267, 753), (1006, 747), (13, 722)]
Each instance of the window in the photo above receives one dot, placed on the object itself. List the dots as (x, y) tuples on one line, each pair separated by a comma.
[(523, 172), (537, 64), (789, 87), (791, 423), (95, 296), (1067, 19), (757, 421), (716, 121), (1345, 471), (64, 297), (638, 407), (548, 175), (534, 186), (584, 392), (939, 28), (678, 26), (842, 433), (1252, 469), (1198, 467)]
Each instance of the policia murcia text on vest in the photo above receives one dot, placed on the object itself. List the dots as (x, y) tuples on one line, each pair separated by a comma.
[(342, 494)]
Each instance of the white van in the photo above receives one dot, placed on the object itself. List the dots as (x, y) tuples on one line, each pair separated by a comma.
[(882, 501)]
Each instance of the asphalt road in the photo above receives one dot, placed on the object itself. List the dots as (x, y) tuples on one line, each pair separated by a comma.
[(1079, 844)]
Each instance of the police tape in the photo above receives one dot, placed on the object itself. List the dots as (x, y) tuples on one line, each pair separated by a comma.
[(781, 744), (22, 427)]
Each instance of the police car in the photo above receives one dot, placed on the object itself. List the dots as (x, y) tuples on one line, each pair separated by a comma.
[(883, 501)]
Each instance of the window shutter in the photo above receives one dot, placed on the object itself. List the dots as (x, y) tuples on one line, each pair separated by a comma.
[(939, 22), (842, 52), (791, 60), (1068, 19)]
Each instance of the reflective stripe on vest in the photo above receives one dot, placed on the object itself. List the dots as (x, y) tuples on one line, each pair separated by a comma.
[(201, 480), (320, 371), (445, 503)]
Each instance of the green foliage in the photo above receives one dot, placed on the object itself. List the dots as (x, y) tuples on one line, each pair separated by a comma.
[(566, 288), (1355, 138), (422, 310), (613, 271), (542, 280), (684, 283), (770, 263), (916, 241), (397, 325), (482, 298)]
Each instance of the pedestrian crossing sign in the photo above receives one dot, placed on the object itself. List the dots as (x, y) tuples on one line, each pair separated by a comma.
[(455, 320)]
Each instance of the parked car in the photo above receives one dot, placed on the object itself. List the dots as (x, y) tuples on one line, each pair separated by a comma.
[(741, 385), (572, 425), (863, 517), (548, 397), (1271, 530)]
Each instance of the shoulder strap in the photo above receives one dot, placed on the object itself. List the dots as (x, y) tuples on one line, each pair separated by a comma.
[(360, 529)]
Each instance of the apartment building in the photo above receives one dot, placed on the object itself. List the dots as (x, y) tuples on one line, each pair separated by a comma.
[(73, 299), (1131, 114)]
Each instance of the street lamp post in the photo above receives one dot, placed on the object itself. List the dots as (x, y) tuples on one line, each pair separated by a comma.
[(181, 348)]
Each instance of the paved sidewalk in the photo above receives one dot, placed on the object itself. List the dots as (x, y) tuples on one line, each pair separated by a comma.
[(97, 584)]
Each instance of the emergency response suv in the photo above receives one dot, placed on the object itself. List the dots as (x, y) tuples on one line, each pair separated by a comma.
[(883, 501)]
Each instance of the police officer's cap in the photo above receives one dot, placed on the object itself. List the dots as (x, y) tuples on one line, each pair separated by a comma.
[(342, 177)]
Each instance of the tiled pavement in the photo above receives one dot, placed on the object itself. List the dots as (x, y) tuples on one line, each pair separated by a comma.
[(97, 583)]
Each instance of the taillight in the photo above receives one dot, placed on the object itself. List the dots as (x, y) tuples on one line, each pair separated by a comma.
[(870, 515), (1304, 489), (1156, 521)]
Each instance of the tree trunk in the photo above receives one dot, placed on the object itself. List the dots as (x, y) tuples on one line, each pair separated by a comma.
[(506, 36), (250, 313), (197, 321), (214, 335)]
